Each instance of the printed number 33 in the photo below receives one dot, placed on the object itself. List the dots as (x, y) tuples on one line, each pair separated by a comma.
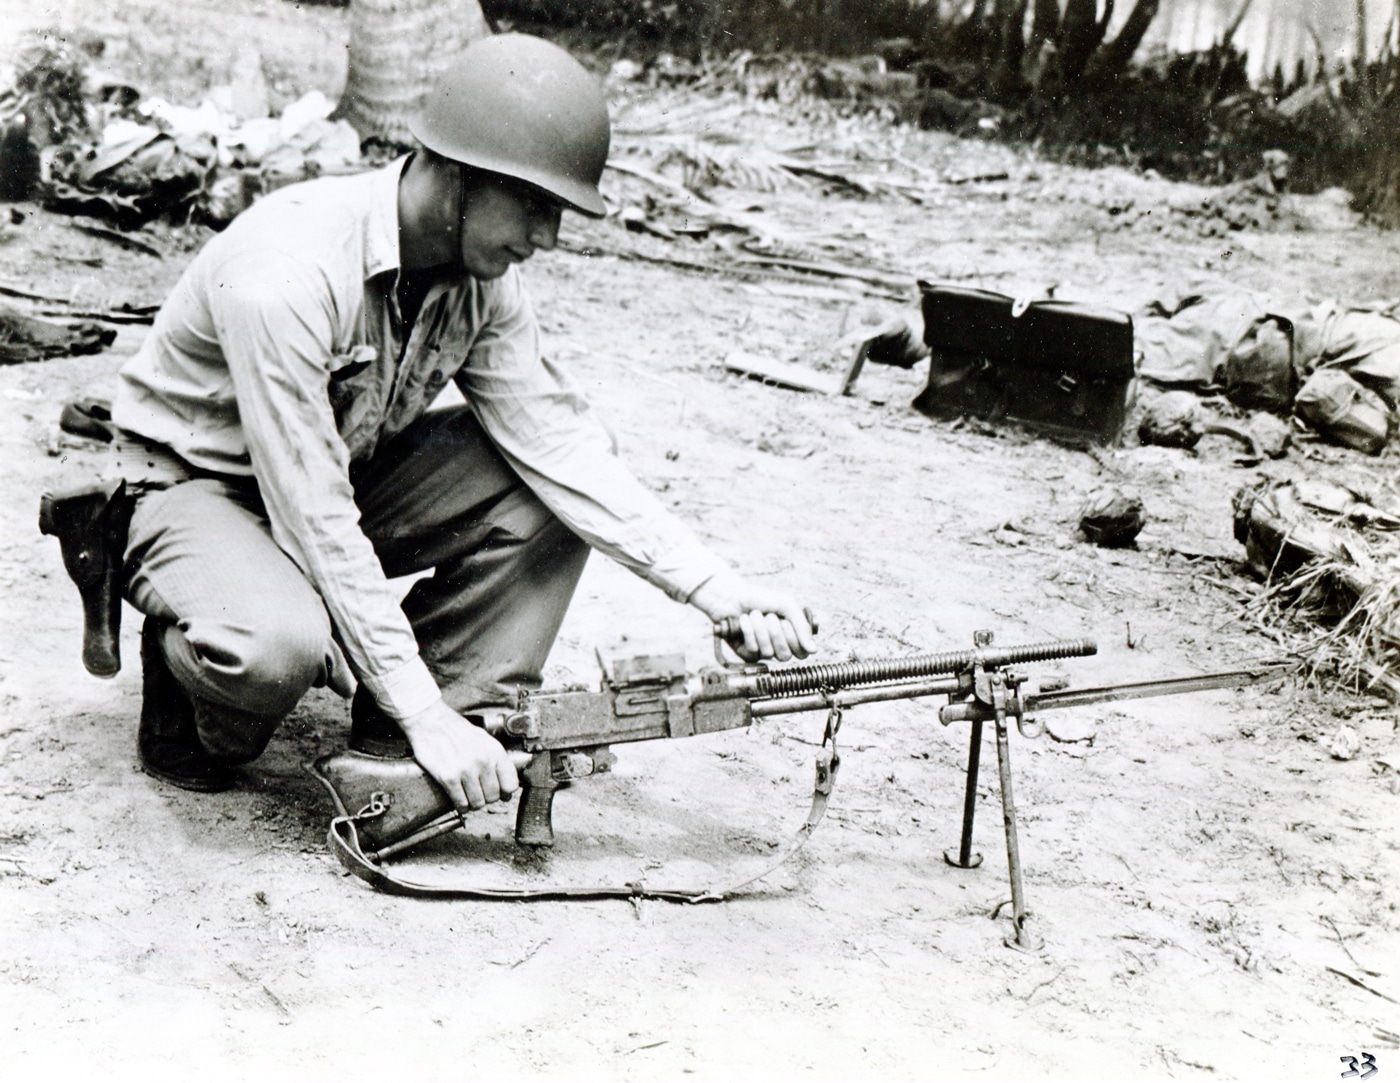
[(1367, 1061)]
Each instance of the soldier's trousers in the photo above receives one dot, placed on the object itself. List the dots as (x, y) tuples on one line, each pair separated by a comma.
[(246, 633)]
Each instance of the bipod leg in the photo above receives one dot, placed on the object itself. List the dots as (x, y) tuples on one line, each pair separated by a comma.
[(1022, 939), (966, 859)]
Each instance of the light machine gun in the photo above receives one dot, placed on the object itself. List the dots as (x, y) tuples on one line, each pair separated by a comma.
[(385, 807)]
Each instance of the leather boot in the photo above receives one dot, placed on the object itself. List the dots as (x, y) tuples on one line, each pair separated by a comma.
[(373, 732), (168, 739)]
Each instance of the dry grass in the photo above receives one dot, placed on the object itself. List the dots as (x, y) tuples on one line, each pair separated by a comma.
[(1340, 617)]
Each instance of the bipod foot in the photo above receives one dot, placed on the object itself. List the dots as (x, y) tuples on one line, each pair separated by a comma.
[(1025, 941), (1021, 938), (954, 858)]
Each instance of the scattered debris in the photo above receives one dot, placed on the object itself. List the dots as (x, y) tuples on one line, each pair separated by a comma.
[(981, 178), (133, 182), (121, 240), (58, 306), (1361, 984), (1344, 744), (111, 155), (29, 338), (828, 269), (1256, 203), (778, 373), (90, 419)]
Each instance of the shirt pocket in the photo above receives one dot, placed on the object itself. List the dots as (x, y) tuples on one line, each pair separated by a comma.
[(354, 392), (352, 362)]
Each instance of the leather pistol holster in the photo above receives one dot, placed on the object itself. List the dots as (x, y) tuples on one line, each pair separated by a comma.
[(91, 524)]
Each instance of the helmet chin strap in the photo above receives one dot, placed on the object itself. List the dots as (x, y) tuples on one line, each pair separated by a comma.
[(461, 211)]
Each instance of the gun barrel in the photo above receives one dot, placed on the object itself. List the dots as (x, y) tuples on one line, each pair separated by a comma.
[(801, 680), (1235, 678), (945, 686)]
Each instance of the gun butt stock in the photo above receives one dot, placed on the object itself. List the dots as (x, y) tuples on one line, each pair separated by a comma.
[(411, 800)]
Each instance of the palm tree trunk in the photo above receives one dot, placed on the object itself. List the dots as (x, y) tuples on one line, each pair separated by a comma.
[(1006, 79), (1112, 59), (1045, 24), (1080, 34), (397, 49)]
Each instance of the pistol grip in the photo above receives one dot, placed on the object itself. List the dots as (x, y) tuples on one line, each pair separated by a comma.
[(91, 526), (533, 823)]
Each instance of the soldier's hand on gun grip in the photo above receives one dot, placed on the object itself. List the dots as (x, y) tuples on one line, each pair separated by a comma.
[(774, 624), (466, 761)]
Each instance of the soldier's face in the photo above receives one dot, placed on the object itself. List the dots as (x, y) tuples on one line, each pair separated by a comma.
[(504, 222)]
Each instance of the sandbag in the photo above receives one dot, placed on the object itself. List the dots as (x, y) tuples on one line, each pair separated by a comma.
[(1186, 335), (1258, 372), (1345, 412)]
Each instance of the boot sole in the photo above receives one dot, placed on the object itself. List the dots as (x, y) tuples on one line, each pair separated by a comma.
[(186, 782)]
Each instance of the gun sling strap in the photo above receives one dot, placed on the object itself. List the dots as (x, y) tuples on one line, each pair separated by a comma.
[(345, 844)]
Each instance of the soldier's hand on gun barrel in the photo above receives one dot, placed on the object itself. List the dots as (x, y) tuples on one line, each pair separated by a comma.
[(465, 760), (773, 624)]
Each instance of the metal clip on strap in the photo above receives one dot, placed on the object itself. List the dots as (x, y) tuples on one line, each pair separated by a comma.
[(344, 842)]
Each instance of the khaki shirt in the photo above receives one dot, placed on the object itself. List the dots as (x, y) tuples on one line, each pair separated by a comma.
[(280, 355)]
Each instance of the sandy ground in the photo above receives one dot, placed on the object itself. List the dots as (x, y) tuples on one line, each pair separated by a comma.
[(1206, 878)]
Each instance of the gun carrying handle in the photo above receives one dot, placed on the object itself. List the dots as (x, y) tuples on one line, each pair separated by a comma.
[(728, 630), (533, 823)]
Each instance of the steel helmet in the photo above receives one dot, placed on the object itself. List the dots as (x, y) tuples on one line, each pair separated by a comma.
[(519, 105)]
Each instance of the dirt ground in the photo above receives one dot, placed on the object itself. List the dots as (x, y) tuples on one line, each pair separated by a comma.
[(1216, 893)]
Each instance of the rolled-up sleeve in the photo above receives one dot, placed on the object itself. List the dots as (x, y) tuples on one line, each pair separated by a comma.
[(274, 318), (546, 429)]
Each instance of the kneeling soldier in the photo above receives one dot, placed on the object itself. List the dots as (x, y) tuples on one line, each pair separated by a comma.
[(281, 462)]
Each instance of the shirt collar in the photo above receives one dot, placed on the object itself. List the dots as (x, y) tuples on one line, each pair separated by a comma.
[(382, 229)]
